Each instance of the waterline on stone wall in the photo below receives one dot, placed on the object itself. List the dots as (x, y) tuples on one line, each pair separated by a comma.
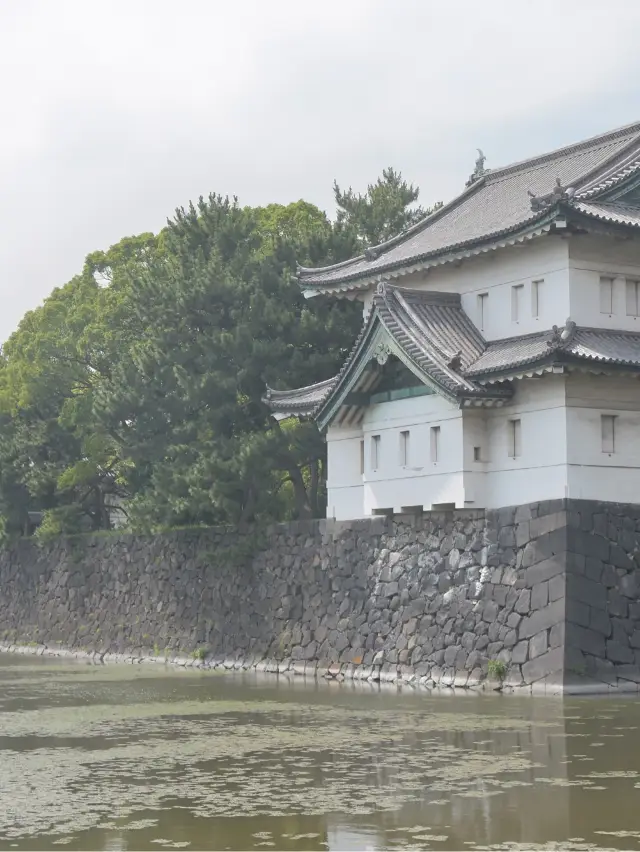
[(373, 676)]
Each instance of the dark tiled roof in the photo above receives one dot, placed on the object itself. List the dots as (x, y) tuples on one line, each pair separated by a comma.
[(614, 211), (436, 340), (434, 337), (618, 348), (497, 204), (612, 347), (500, 355), (432, 329), (301, 401)]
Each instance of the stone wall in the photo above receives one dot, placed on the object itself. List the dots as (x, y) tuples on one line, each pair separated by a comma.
[(549, 589), (602, 629)]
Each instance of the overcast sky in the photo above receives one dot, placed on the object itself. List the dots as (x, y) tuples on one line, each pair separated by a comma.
[(117, 111)]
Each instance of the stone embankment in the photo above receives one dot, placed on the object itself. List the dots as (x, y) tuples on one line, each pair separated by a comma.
[(544, 595)]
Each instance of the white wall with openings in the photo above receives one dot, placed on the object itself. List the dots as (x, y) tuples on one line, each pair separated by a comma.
[(603, 425), (527, 444), (508, 292), (412, 448), (564, 435), (604, 276)]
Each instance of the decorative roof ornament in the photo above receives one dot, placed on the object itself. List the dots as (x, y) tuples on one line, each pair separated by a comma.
[(455, 362), (381, 353), (380, 289), (561, 336), (479, 169), (370, 254), (558, 193)]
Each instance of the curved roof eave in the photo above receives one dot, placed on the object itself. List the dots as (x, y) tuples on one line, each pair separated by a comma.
[(450, 254), (598, 165)]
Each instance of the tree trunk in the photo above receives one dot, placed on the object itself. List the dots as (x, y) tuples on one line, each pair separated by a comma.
[(303, 509), (313, 488)]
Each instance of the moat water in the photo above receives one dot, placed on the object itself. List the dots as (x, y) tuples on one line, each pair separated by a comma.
[(139, 757)]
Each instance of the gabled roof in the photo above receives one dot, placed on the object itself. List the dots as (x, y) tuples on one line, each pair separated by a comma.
[(429, 332), (435, 339), (498, 205)]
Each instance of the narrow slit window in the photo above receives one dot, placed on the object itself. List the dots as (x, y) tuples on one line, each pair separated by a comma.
[(516, 302), (606, 295), (633, 301), (608, 425), (536, 292), (515, 438), (435, 443), (404, 449), (375, 451), (361, 458), (483, 301), (477, 454)]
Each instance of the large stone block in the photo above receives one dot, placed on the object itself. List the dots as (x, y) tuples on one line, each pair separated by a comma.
[(542, 619), (585, 639), (547, 523), (618, 653), (540, 595), (545, 569), (544, 666), (587, 544), (600, 622), (587, 591), (578, 612), (538, 645), (520, 652)]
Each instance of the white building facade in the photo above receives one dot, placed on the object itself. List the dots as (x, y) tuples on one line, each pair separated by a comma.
[(499, 360)]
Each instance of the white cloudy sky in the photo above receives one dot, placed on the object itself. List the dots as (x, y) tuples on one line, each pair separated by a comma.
[(117, 111)]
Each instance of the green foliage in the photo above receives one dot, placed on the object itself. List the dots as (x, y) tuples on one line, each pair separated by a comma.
[(134, 392), (497, 670), (200, 654), (384, 211)]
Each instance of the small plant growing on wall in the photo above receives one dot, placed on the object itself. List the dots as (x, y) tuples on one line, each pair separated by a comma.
[(200, 654), (497, 670)]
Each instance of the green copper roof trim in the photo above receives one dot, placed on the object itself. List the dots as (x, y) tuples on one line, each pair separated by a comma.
[(400, 393), (366, 354)]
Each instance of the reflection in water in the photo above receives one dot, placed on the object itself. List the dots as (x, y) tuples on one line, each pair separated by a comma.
[(136, 757)]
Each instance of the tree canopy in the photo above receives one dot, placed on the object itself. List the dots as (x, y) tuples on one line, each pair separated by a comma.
[(133, 394)]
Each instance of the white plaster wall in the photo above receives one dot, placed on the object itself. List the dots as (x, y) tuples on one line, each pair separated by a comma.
[(594, 475), (545, 259), (475, 435), (344, 481), (570, 269), (540, 472), (421, 482), (591, 257), (392, 485)]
